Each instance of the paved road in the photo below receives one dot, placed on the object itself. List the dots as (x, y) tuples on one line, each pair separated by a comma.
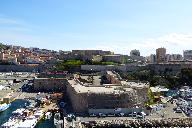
[(86, 119)]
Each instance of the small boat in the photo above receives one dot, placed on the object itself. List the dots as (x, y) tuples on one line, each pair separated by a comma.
[(48, 115), (57, 121), (4, 106), (10, 123)]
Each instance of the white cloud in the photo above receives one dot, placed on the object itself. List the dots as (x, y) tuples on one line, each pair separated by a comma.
[(11, 24), (174, 43)]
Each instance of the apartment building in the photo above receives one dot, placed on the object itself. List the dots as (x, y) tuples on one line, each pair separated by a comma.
[(161, 55)]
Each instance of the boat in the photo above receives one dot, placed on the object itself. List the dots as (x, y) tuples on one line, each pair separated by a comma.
[(57, 121), (24, 118), (18, 112), (48, 115), (4, 106), (14, 119), (30, 122), (10, 123)]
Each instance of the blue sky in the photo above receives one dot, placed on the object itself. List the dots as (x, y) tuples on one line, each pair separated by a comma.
[(117, 25)]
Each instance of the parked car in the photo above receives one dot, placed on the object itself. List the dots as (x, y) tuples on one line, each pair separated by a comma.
[(101, 115), (134, 114), (92, 115), (111, 115), (70, 117), (139, 116), (121, 114)]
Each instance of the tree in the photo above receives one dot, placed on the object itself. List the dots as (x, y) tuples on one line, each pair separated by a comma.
[(68, 64), (151, 99), (186, 77), (2, 46)]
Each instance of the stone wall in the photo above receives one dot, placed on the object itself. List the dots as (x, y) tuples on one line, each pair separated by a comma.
[(82, 102), (111, 101), (50, 84), (78, 100), (109, 67), (17, 68)]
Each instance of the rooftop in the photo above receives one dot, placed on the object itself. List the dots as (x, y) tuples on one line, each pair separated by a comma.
[(81, 88), (96, 80), (94, 89)]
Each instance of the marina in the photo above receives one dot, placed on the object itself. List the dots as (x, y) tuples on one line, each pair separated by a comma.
[(20, 108), (5, 115), (18, 116)]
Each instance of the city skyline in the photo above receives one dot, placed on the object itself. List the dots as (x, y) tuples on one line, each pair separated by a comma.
[(119, 26)]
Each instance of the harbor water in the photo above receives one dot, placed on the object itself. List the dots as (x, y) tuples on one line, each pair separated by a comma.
[(5, 115), (46, 124)]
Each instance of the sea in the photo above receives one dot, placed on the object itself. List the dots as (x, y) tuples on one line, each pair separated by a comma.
[(4, 116)]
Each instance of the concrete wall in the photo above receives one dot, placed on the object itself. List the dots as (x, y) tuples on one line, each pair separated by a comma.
[(16, 68), (109, 67), (114, 111)]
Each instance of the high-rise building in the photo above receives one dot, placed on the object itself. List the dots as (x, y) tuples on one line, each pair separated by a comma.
[(173, 57), (135, 53), (176, 57), (152, 58), (187, 54), (168, 57), (161, 55)]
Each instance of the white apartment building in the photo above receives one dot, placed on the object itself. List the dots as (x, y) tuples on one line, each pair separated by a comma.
[(187, 54)]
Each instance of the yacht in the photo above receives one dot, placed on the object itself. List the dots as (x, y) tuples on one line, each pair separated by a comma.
[(4, 106)]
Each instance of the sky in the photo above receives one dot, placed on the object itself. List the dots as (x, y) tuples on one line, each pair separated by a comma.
[(116, 25)]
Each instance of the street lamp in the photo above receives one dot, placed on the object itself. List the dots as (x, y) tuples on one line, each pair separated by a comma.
[(92, 75)]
